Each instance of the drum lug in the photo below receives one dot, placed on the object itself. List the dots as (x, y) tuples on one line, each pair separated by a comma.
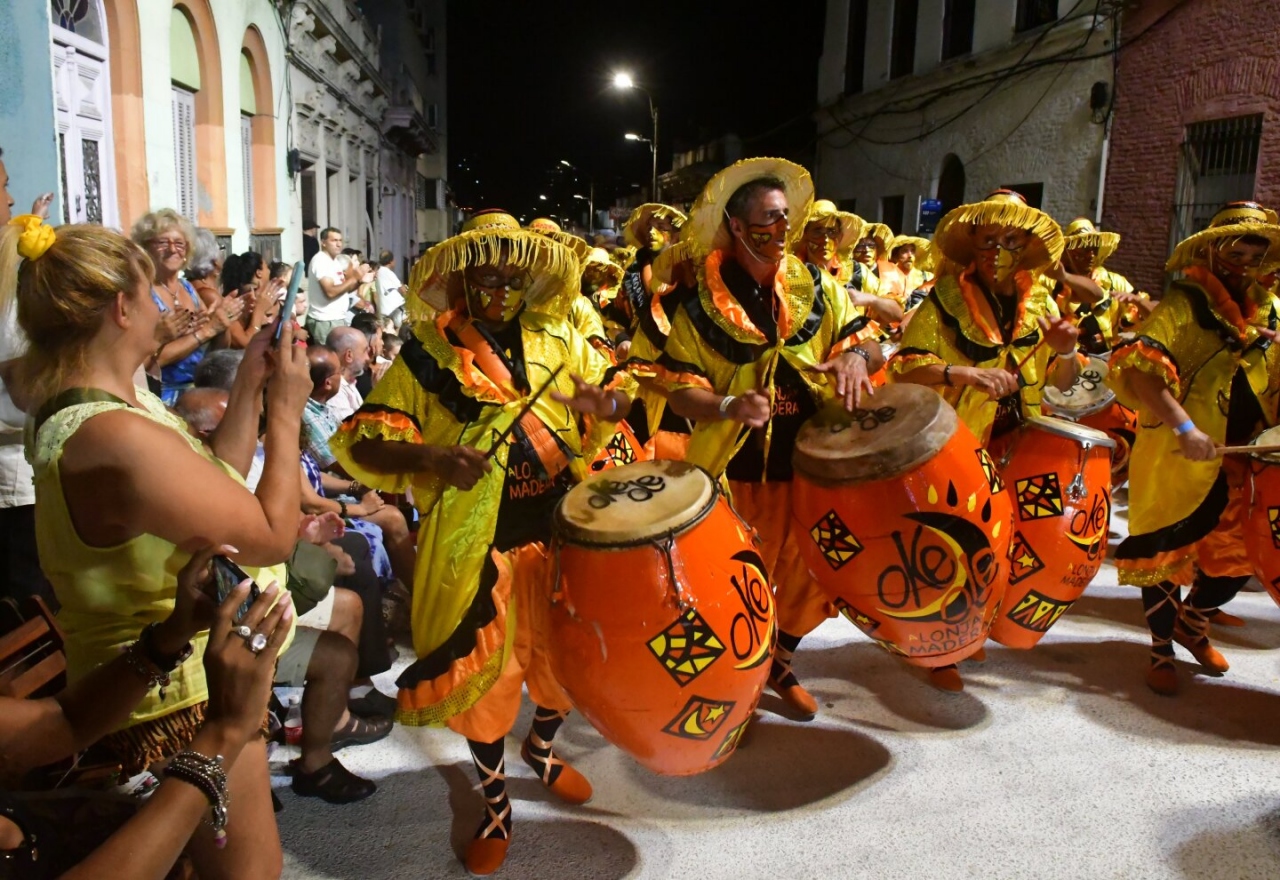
[(667, 546), (1077, 490)]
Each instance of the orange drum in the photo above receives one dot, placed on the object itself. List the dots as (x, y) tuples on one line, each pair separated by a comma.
[(1090, 402), (1262, 520), (661, 614), (1059, 478), (880, 377), (908, 523), (623, 448)]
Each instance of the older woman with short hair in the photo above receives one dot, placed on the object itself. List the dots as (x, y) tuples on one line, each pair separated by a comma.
[(204, 267)]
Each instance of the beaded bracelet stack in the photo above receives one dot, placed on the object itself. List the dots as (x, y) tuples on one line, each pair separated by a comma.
[(207, 775), (141, 657)]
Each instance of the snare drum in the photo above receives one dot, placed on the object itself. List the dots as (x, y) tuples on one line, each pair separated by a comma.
[(1058, 476), (907, 523), (661, 614), (1090, 402), (1262, 518)]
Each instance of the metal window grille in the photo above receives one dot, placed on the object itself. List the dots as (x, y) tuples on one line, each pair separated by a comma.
[(420, 194), (184, 149), (1218, 163), (246, 157), (267, 244)]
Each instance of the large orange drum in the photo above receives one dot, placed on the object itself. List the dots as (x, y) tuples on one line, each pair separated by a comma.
[(1058, 475), (661, 614), (880, 377), (1090, 402), (908, 523), (1262, 519)]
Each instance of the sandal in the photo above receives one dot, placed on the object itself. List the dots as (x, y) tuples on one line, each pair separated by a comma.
[(373, 704), (332, 783), (360, 731)]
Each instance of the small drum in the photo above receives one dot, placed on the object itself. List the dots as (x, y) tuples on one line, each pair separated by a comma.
[(661, 614), (908, 525), (1090, 402), (1262, 518), (1058, 475), (623, 448)]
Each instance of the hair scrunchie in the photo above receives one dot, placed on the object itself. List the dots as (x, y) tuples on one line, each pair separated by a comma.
[(36, 238)]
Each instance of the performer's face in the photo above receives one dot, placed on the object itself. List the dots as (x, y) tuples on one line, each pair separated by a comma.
[(1079, 261), (820, 240), (661, 233), (865, 251), (1236, 261), (906, 258), (495, 293), (764, 232), (1000, 249)]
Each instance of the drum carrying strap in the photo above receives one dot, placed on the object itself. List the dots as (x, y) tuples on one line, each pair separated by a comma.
[(492, 364)]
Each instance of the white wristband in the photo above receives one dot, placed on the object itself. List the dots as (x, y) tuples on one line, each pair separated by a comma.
[(725, 403)]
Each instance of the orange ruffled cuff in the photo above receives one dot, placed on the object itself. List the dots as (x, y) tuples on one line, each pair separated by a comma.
[(868, 333), (1138, 355), (900, 364)]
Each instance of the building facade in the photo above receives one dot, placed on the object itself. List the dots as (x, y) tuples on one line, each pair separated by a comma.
[(1197, 123), (949, 99)]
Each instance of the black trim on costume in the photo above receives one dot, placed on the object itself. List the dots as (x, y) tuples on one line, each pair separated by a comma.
[(976, 352), (670, 301), (441, 382), (714, 335), (813, 322), (1185, 532), (667, 362), (1158, 346), (857, 325), (462, 641)]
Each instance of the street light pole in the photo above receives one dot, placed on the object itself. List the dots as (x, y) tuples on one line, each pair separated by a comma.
[(623, 80)]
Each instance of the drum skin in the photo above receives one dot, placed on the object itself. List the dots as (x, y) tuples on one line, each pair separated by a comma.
[(1060, 535), (670, 676), (1090, 402), (1262, 518), (917, 558)]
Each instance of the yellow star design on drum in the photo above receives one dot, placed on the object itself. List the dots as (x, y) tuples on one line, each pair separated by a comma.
[(700, 718)]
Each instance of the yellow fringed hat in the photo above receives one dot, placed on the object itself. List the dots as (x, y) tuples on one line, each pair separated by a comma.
[(708, 231), (1081, 233), (624, 256), (599, 258), (664, 265), (493, 218), (924, 250), (851, 225), (953, 239), (644, 214), (543, 224), (882, 234), (436, 279), (1234, 220)]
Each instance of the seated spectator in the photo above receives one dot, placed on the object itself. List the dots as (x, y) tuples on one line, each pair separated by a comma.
[(371, 326), (202, 409), (218, 369), (204, 268), (38, 732), (352, 347)]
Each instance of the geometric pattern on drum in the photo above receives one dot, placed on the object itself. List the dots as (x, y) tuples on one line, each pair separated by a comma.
[(1023, 561), (1039, 497), (700, 718), (1273, 517), (1038, 613), (989, 470), (837, 543), (620, 450), (856, 617), (686, 647), (732, 739)]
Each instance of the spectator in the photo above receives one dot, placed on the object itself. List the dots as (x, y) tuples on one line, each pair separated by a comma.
[(202, 409), (390, 351), (218, 369), (352, 348), (167, 236), (371, 327), (124, 495), (204, 268), (249, 279), (363, 299), (391, 290), (329, 288), (38, 732), (310, 244)]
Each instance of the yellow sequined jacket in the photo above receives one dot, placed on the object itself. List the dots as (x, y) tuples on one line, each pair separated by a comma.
[(1102, 323)]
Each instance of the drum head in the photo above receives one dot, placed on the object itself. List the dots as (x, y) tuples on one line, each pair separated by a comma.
[(1088, 395), (897, 429), (635, 504), (1269, 437), (1082, 434)]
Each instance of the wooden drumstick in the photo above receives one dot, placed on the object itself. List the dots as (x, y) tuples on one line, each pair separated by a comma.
[(1248, 450), (524, 411)]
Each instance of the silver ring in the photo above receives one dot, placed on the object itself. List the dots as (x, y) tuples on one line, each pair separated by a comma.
[(257, 643), (242, 631)]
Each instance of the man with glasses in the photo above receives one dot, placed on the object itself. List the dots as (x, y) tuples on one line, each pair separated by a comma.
[(330, 286)]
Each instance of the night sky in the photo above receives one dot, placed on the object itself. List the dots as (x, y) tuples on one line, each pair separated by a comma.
[(530, 85)]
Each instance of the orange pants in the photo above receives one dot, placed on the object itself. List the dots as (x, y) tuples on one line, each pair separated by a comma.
[(801, 603), (493, 715)]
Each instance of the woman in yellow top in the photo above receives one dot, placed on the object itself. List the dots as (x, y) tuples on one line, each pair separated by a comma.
[(1203, 372), (1102, 315), (124, 494)]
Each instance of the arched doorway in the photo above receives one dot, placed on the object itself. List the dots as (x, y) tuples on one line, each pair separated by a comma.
[(951, 183), (82, 111)]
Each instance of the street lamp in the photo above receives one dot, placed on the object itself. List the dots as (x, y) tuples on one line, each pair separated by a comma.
[(544, 198), (623, 80)]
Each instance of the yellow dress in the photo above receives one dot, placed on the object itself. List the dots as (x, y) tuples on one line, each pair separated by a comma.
[(109, 594)]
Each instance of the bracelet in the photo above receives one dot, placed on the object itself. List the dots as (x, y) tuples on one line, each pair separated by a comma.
[(1185, 428), (147, 643), (725, 403), (354, 489), (866, 357), (135, 659), (208, 776), (342, 508), (946, 376)]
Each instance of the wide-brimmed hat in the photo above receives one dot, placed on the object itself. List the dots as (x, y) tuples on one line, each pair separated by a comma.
[(554, 270), (599, 258), (851, 225), (1081, 233), (1234, 220), (708, 229), (490, 218), (924, 250), (543, 224), (953, 239), (883, 236), (645, 213)]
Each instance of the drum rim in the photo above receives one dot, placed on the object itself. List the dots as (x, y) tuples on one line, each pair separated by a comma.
[(1267, 458), (560, 538), (1046, 424), (1084, 412)]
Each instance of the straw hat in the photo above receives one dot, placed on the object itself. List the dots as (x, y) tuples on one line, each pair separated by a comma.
[(542, 224), (953, 239), (883, 236), (645, 213), (599, 258), (708, 230), (1081, 233), (1234, 220), (851, 225), (924, 250), (490, 218)]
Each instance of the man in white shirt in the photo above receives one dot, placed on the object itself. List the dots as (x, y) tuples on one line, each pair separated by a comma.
[(352, 348), (329, 287), (390, 288)]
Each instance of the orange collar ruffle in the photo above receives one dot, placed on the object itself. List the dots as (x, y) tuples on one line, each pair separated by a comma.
[(733, 311), (975, 299), (1223, 303)]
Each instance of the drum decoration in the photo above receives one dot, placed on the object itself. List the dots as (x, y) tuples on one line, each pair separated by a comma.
[(661, 614), (1058, 475), (908, 523), (1262, 518), (1090, 402), (623, 448)]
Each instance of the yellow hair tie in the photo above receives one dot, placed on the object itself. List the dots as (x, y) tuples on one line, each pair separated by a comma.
[(36, 238)]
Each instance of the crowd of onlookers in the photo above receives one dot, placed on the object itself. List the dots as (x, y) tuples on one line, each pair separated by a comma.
[(232, 460)]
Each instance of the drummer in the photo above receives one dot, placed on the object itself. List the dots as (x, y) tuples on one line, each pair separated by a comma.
[(990, 337), (1109, 306), (912, 255), (870, 254), (1202, 373), (760, 343), (650, 229), (459, 382), (829, 232)]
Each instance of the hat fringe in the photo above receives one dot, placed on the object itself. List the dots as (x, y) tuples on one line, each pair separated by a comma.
[(998, 213)]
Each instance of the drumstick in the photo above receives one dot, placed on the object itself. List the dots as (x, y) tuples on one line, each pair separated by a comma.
[(524, 411), (1248, 450), (1035, 348)]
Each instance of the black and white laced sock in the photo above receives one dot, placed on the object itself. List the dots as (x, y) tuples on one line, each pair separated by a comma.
[(491, 767)]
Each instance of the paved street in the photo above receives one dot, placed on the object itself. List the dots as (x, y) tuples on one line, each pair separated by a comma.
[(1057, 763)]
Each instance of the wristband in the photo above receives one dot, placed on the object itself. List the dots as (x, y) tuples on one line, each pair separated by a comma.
[(147, 644), (342, 508), (862, 354), (725, 403), (946, 376), (1185, 428)]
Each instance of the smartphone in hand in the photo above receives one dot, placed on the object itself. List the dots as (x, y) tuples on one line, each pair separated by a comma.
[(226, 575), (291, 297)]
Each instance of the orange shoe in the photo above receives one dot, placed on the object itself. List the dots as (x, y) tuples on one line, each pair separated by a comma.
[(978, 656), (946, 678), (1162, 677), (485, 854), (796, 697), (1222, 618), (570, 785), (1205, 653)]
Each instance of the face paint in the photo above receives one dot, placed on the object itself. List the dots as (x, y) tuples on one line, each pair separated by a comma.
[(865, 251), (1232, 260), (762, 235), (820, 243), (657, 238), (493, 298)]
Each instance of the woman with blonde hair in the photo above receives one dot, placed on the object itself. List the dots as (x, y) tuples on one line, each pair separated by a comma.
[(124, 495)]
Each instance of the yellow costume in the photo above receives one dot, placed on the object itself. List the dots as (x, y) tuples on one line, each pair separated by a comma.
[(919, 281), (863, 277), (1101, 323)]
